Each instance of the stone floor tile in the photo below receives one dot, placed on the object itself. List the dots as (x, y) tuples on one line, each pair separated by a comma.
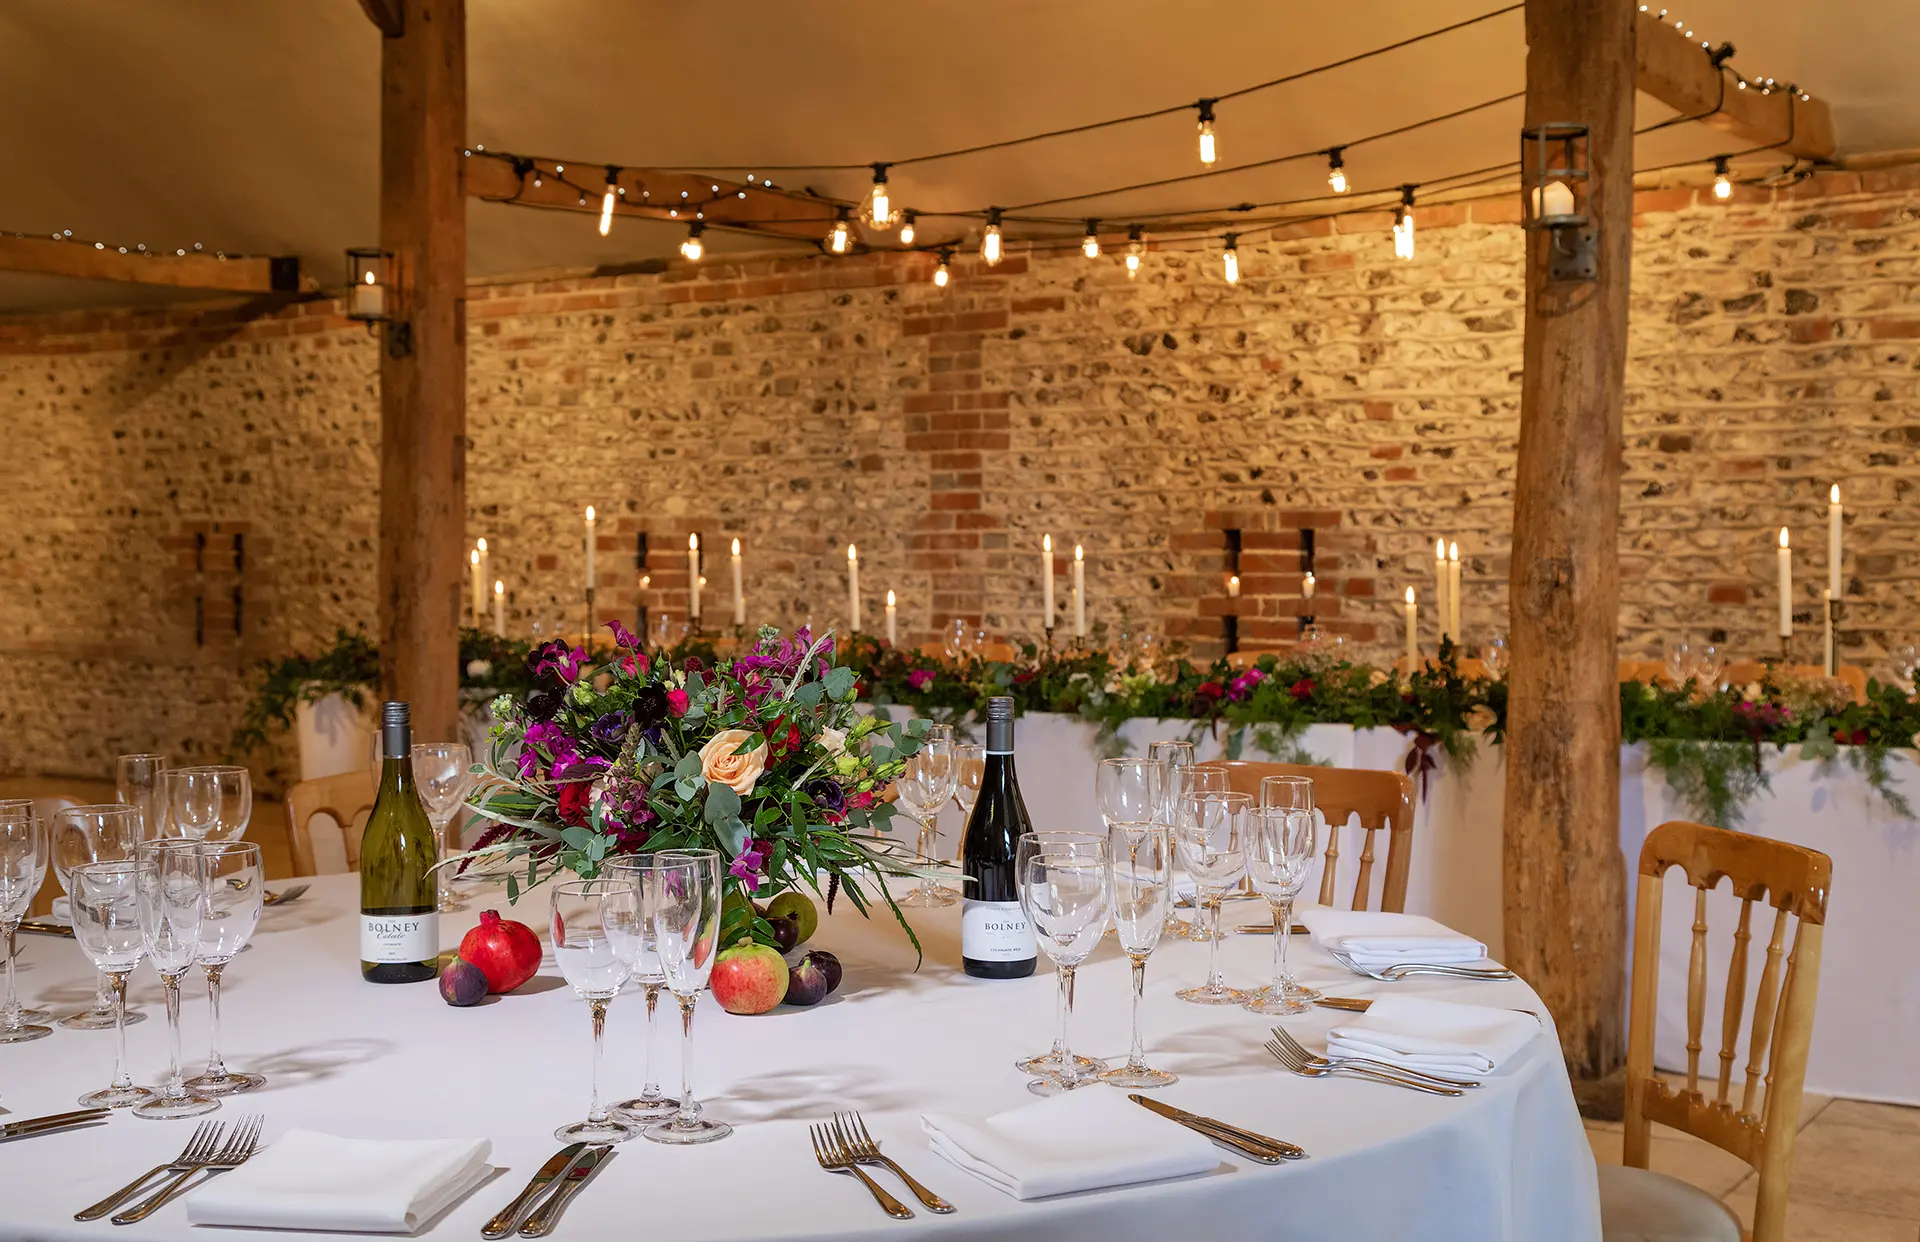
[(1873, 1116), (1815, 1222), (1858, 1169)]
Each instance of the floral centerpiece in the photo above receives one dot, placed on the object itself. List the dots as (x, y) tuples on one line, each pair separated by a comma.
[(763, 757)]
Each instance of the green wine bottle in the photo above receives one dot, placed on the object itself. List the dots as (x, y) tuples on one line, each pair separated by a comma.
[(399, 918)]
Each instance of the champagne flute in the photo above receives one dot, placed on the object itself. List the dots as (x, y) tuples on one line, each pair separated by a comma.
[(969, 770), (23, 866), (592, 932), (1068, 896), (106, 921), (173, 898), (235, 883), (1210, 830), (98, 832), (1141, 856), (646, 872), (211, 802), (140, 781), (443, 772), (1279, 856), (21, 810), (687, 925), (1176, 760), (921, 789), (1128, 790), (1032, 845)]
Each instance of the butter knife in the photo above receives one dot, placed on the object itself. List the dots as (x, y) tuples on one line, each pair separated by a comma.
[(1246, 1142), (558, 1166), (1352, 1004), (541, 1223), (28, 1126), (36, 927), (1266, 929)]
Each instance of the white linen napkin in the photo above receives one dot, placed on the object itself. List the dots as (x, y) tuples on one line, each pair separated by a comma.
[(1376, 938), (309, 1180), (1443, 1037), (1084, 1140)]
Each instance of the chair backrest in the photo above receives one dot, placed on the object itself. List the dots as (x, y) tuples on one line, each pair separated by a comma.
[(1380, 799), (998, 652), (1760, 1127), (1470, 667), (1245, 659), (1649, 671), (346, 798), (935, 650), (1852, 676)]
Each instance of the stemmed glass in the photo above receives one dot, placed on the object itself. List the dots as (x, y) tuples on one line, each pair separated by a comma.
[(687, 924), (23, 866), (1142, 861), (593, 931), (99, 832), (1707, 668), (444, 772), (1210, 830), (1068, 896), (1031, 845), (173, 898), (969, 769), (646, 873), (1494, 656), (922, 789), (1176, 760), (234, 884), (140, 781), (1279, 856), (1128, 790), (106, 921), (212, 802), (1680, 662)]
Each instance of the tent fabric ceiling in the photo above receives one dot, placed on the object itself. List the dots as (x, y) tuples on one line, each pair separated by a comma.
[(252, 125)]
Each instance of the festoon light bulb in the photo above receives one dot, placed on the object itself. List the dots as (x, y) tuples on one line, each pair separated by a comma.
[(990, 240), (1208, 151), (692, 248), (1231, 259), (1336, 171), (906, 228), (606, 201), (1135, 248), (1722, 180), (878, 209), (1403, 225), (1090, 244), (840, 240), (940, 272)]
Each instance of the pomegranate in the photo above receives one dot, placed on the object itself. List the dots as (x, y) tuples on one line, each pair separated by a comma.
[(506, 952)]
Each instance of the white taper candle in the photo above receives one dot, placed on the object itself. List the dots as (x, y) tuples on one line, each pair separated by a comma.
[(1046, 581), (1786, 586), (693, 577), (589, 545), (1079, 592), (853, 588), (739, 596)]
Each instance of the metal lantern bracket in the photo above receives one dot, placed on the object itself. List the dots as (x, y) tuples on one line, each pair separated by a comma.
[(1555, 154)]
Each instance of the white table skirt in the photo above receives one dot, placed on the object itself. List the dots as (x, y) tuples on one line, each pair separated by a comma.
[(1509, 1161)]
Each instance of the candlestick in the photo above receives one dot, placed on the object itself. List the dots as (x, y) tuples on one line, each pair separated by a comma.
[(693, 579), (1440, 588), (1833, 542), (1046, 581), (589, 546), (853, 588), (1079, 592), (1453, 591), (1413, 633), (893, 638), (499, 608), (1826, 599), (473, 560), (586, 638), (1786, 589), (739, 598)]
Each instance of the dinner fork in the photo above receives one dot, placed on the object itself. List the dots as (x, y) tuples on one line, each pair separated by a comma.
[(239, 1148), (1301, 1067), (853, 1136), (203, 1144), (1401, 970), (834, 1159), (288, 894), (1312, 1058)]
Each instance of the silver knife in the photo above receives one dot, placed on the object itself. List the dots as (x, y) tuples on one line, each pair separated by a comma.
[(558, 1166), (541, 1223), (1259, 1146), (1266, 929), (35, 927), (27, 1125)]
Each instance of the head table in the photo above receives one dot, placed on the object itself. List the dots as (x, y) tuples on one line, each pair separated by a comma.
[(1508, 1161)]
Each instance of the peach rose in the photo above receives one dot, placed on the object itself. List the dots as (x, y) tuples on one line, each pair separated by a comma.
[(736, 772)]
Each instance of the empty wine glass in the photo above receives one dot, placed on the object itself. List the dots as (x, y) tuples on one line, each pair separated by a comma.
[(235, 883), (212, 802), (594, 952), (1706, 667), (1029, 846), (106, 921), (1906, 661), (1128, 790), (1175, 758), (1494, 656), (1279, 856), (1210, 830), (687, 926), (1141, 857), (1068, 896), (969, 769), (140, 781), (953, 640), (173, 898), (23, 866), (646, 872), (921, 790), (98, 832), (1680, 661), (444, 773)]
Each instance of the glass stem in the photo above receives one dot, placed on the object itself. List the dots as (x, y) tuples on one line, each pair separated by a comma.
[(171, 985), (597, 1115), (121, 1079), (926, 852), (1068, 1070), (651, 1090), (689, 1111), (11, 1018), (102, 993), (440, 855), (1283, 927), (216, 1068), (1137, 1055), (1215, 982)]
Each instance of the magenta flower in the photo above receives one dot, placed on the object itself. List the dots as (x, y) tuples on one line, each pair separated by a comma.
[(746, 868), (920, 678), (622, 636)]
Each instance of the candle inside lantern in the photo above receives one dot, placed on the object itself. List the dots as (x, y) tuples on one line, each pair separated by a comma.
[(1833, 542), (589, 547), (1046, 581), (499, 608), (1440, 588), (1079, 592), (1307, 587), (1555, 200), (1233, 586), (853, 588), (693, 577), (1413, 637), (473, 561), (369, 300), (893, 637), (1453, 591), (1786, 586), (739, 597)]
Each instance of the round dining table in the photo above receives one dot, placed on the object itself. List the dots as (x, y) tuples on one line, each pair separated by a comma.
[(906, 1033)]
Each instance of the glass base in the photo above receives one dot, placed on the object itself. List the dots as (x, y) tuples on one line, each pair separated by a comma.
[(24, 1032), (928, 898), (700, 1130), (228, 1083), (169, 1108), (646, 1108), (1049, 1063), (1145, 1077), (1211, 995), (98, 1020), (450, 902), (116, 1097), (1289, 998), (609, 1131), (41, 1016), (1053, 1084)]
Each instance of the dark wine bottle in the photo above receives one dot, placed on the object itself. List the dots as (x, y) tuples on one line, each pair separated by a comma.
[(996, 941), (399, 915)]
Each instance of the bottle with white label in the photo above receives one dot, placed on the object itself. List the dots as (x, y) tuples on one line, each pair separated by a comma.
[(996, 941), (399, 918)]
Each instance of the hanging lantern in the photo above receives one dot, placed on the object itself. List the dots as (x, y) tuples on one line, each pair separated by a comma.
[(369, 277), (1555, 192)]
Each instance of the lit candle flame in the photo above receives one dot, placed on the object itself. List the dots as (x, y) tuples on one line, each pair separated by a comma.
[(473, 558), (499, 588), (589, 513), (736, 547), (853, 553), (693, 543), (1833, 496), (1046, 543), (889, 599), (1409, 595), (1783, 536)]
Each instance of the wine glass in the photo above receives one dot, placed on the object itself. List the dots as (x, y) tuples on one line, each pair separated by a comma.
[(969, 769), (444, 773), (23, 866), (1032, 845), (98, 832), (646, 872), (1175, 759), (1494, 656), (687, 924), (1906, 661), (921, 789), (1210, 829), (953, 640), (106, 921), (173, 899), (1279, 856), (211, 802), (235, 883), (593, 930), (1707, 668), (140, 781), (1128, 790), (1680, 662), (1068, 897), (1141, 857)]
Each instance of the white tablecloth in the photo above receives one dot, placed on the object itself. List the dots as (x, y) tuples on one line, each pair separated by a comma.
[(1509, 1161)]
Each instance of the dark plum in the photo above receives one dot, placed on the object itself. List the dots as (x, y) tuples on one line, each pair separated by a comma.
[(786, 933)]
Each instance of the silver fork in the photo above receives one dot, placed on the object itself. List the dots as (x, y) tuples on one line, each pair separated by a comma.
[(290, 893), (205, 1141), (1301, 1067), (853, 1136), (239, 1147), (1313, 1058), (1402, 970), (834, 1159)]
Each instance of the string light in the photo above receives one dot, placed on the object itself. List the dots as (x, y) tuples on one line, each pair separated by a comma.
[(878, 209), (1336, 171), (692, 248), (990, 240), (1722, 184), (940, 273), (1231, 259), (1208, 152), (906, 227), (1090, 244), (840, 240), (1135, 248), (606, 203), (1403, 225)]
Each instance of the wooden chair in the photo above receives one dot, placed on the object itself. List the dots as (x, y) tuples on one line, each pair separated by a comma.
[(1636, 1202), (346, 798), (1380, 799), (1652, 672), (998, 651)]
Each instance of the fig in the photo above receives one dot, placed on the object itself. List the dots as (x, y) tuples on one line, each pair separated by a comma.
[(799, 907), (462, 983), (806, 983), (786, 933), (829, 966)]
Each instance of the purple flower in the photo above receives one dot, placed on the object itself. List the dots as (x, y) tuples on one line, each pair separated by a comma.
[(920, 678), (827, 795), (610, 729), (746, 868), (622, 636), (544, 704)]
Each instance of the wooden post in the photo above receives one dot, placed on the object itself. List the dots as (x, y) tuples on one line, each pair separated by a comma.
[(423, 370), (1564, 877)]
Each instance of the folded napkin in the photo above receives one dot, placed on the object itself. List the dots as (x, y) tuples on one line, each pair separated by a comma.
[(1376, 939), (308, 1180), (1442, 1037), (1084, 1140)]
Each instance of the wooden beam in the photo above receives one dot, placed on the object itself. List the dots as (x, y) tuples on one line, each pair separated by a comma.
[(91, 261), (1564, 880), (388, 15), (423, 370), (1679, 72)]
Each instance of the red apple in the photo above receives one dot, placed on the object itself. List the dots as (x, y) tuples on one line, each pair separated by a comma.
[(749, 978)]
